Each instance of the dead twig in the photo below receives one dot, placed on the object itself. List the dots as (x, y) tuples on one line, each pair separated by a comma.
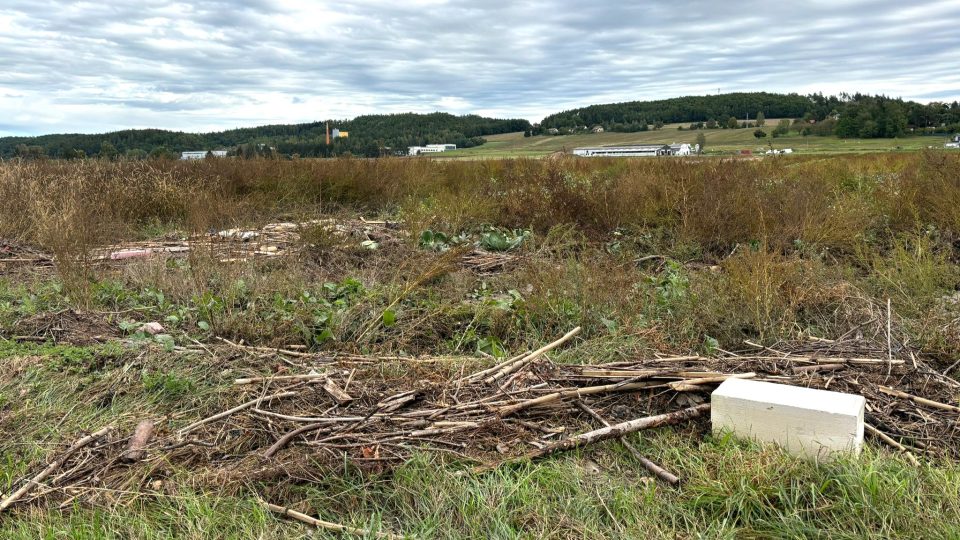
[(228, 412), (54, 465), (328, 525), (657, 470)]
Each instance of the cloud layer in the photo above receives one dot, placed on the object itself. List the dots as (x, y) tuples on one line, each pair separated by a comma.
[(217, 64)]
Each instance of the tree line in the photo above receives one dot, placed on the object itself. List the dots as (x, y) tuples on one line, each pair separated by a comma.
[(369, 135), (846, 115)]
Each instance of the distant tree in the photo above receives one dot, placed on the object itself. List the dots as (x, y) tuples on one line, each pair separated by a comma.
[(24, 151), (108, 151), (658, 124), (759, 133), (761, 119), (161, 152), (701, 141), (711, 124), (732, 122), (783, 128)]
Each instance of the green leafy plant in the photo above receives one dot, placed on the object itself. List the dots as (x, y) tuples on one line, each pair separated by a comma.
[(502, 239)]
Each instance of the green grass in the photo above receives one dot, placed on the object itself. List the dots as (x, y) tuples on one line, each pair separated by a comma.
[(719, 141)]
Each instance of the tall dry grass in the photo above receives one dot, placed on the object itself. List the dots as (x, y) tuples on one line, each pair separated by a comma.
[(835, 203)]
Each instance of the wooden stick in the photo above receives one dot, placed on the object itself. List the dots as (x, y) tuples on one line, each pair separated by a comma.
[(819, 367), (573, 392), (266, 349), (310, 419), (621, 429), (922, 401), (54, 465), (694, 384), (611, 432), (337, 393), (889, 440), (889, 346), (826, 359), (646, 373), (481, 374), (304, 377), (238, 408), (330, 526), (657, 470), (282, 441), (532, 356)]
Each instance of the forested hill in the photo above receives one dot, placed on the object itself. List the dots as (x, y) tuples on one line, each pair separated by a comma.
[(684, 109), (370, 135), (856, 115)]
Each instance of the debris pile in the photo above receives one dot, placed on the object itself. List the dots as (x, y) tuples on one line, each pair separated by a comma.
[(376, 412), (272, 240)]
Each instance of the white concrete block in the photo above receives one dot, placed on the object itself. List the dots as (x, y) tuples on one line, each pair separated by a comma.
[(804, 421)]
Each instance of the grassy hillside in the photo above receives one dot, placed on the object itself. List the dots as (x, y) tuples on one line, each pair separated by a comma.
[(718, 141)]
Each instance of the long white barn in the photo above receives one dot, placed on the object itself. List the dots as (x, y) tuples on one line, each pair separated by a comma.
[(201, 154), (635, 150), (430, 149)]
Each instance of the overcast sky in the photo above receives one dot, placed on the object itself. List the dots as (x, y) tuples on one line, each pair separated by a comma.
[(217, 64)]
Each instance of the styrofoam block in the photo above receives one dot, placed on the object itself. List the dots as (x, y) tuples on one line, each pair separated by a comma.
[(804, 421)]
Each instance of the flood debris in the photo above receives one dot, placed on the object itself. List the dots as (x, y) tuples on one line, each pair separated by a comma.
[(376, 412)]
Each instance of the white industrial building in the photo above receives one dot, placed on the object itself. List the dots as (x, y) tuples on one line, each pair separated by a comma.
[(201, 154), (637, 150), (430, 149)]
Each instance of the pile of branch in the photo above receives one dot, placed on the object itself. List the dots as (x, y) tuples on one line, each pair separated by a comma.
[(238, 245), (378, 412), (486, 262), (13, 254)]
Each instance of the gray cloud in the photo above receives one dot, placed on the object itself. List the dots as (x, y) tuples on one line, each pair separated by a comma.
[(216, 64)]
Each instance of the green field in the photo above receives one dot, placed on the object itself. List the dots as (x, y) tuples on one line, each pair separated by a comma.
[(719, 141)]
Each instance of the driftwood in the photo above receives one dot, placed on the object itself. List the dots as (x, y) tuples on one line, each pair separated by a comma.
[(281, 378), (530, 411), (609, 432), (54, 465), (337, 393), (573, 392), (621, 429), (694, 384), (138, 442), (918, 400), (512, 367)]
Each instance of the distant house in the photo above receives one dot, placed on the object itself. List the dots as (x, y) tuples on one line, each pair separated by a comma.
[(201, 154), (430, 149), (682, 149), (553, 131), (597, 129)]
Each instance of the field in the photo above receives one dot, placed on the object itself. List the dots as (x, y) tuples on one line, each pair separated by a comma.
[(390, 282), (719, 141)]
